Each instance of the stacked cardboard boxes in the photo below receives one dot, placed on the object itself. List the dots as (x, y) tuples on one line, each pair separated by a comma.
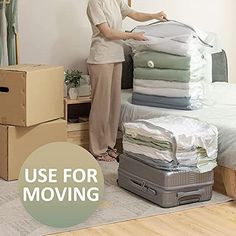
[(31, 105)]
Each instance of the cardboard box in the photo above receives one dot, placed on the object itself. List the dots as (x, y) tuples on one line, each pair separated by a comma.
[(31, 94), (17, 143)]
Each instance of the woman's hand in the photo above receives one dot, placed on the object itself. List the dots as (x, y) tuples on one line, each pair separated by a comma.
[(161, 16), (139, 36), (112, 34), (142, 17)]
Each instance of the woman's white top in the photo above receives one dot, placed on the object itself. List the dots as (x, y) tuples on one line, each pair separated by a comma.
[(112, 12)]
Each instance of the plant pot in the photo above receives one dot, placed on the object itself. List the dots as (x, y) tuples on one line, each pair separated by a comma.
[(74, 93)]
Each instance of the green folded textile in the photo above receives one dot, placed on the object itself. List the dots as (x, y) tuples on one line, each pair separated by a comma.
[(164, 74), (161, 60), (149, 142), (161, 145)]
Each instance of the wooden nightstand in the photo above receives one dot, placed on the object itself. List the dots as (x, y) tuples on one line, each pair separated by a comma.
[(76, 113)]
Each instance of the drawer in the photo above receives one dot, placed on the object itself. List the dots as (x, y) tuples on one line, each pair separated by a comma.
[(78, 137), (77, 126)]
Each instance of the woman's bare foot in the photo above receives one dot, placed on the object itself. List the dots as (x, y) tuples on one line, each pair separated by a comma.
[(113, 153), (106, 157)]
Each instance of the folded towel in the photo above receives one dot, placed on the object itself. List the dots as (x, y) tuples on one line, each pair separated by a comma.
[(182, 103), (168, 75), (196, 93), (152, 156), (167, 84), (150, 59), (159, 104)]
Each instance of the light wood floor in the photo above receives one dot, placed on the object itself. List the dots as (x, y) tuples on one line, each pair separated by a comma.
[(208, 220)]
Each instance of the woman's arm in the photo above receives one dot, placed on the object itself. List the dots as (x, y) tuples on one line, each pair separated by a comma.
[(111, 34), (140, 16)]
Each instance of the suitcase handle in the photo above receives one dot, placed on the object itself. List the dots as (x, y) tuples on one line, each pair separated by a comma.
[(168, 134), (143, 187), (4, 90), (140, 185), (188, 197)]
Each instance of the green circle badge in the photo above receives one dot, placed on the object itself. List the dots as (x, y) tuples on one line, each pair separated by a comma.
[(61, 184)]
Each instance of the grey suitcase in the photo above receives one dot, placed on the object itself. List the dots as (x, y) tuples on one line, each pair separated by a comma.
[(165, 188)]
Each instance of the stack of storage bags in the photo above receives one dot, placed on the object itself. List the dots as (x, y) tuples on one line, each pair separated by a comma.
[(172, 143), (172, 67)]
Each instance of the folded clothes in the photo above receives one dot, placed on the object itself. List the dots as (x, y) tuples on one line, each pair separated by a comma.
[(168, 75), (202, 165), (159, 164), (148, 141), (186, 141), (188, 132), (167, 84), (167, 45), (182, 157), (161, 145), (150, 59), (182, 103), (196, 93)]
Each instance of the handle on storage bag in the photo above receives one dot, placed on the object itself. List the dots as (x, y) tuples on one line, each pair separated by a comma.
[(167, 133)]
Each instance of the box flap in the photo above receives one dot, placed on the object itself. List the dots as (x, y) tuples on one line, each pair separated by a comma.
[(29, 67)]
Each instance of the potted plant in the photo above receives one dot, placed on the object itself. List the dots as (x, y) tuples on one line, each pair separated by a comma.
[(72, 80)]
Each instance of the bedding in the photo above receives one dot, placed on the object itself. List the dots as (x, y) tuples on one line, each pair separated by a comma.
[(168, 61), (220, 112), (168, 75)]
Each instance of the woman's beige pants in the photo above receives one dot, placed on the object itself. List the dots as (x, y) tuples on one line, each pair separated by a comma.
[(105, 109)]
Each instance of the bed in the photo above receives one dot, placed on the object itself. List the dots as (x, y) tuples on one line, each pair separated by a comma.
[(218, 110)]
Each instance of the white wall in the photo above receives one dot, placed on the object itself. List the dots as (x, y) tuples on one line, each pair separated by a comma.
[(58, 32)]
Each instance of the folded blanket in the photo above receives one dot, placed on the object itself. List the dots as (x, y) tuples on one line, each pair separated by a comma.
[(189, 133), (150, 59), (147, 156), (168, 75), (148, 141), (166, 45), (166, 155), (160, 144), (159, 164), (170, 37), (167, 84), (196, 93), (182, 103)]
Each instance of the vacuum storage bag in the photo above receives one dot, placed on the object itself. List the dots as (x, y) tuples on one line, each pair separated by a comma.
[(175, 62), (185, 142)]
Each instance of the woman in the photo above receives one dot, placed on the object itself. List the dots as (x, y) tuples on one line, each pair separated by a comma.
[(105, 68)]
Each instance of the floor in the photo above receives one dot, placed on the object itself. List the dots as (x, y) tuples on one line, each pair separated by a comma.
[(212, 220)]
